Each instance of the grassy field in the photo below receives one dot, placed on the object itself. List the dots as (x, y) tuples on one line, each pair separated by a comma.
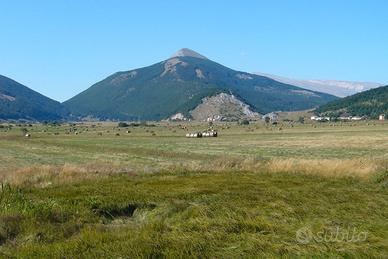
[(286, 190)]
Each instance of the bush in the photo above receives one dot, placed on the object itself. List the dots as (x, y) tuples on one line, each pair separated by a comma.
[(123, 125), (243, 122)]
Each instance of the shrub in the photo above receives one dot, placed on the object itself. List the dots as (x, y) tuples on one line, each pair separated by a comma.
[(244, 122), (123, 125)]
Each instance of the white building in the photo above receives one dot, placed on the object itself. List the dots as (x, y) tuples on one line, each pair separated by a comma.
[(178, 117), (319, 118), (357, 118)]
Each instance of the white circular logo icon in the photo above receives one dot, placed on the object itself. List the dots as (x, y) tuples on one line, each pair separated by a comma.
[(304, 236)]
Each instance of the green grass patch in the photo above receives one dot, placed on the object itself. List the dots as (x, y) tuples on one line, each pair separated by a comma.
[(194, 214)]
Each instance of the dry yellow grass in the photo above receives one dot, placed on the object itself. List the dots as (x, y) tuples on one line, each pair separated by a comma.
[(324, 167), (45, 175)]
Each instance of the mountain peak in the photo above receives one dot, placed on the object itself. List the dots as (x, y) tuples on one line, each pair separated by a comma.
[(185, 52)]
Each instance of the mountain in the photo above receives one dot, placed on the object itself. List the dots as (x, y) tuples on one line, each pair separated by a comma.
[(370, 103), (333, 87), (20, 102), (179, 84)]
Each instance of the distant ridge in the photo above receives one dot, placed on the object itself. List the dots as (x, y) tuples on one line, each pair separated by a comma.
[(19, 102), (333, 87)]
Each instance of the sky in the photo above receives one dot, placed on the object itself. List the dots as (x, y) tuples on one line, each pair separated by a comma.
[(61, 47)]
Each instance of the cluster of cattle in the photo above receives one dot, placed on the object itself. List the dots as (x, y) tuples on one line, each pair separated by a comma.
[(211, 133)]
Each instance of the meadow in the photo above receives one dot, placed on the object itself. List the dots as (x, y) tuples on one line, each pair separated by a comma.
[(259, 190)]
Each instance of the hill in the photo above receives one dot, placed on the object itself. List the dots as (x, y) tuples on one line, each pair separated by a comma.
[(179, 84), (223, 107), (333, 87), (20, 102), (371, 103)]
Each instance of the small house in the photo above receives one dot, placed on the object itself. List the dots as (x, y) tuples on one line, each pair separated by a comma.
[(319, 118), (382, 117)]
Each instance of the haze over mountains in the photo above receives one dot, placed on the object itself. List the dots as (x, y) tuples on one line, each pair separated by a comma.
[(333, 87), (187, 84)]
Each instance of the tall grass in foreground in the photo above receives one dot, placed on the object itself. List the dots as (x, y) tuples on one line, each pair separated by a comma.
[(194, 214)]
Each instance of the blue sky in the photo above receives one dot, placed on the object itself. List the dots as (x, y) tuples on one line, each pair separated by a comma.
[(61, 47)]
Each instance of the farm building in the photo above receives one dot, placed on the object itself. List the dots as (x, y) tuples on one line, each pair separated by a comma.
[(215, 118), (178, 117), (357, 118), (345, 118)]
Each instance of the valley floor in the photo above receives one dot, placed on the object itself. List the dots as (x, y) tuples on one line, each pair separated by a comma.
[(256, 191)]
